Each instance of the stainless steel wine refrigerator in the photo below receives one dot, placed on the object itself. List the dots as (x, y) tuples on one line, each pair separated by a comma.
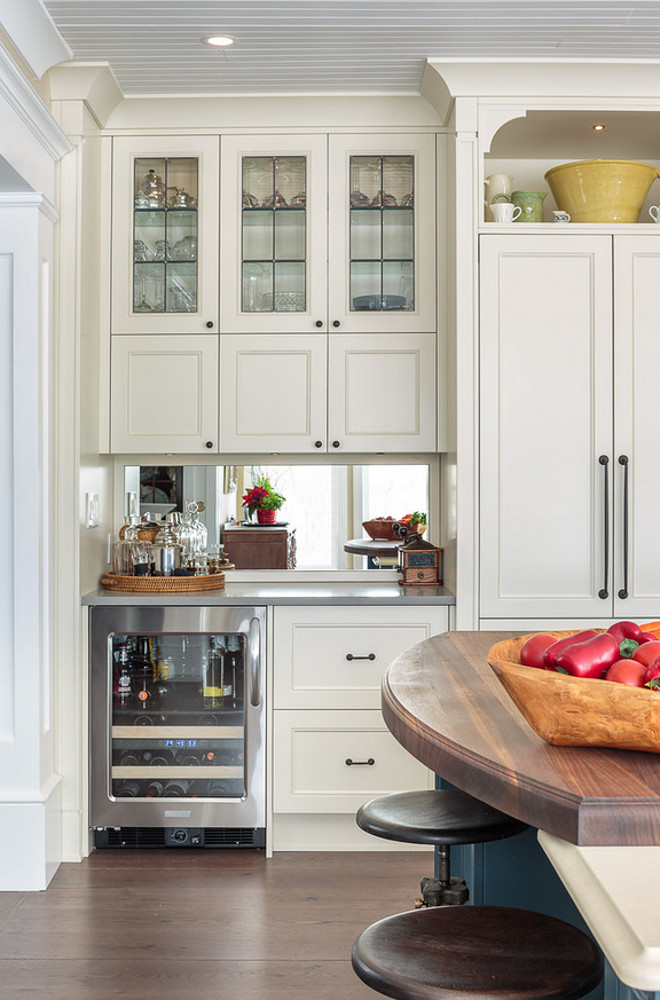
[(177, 726)]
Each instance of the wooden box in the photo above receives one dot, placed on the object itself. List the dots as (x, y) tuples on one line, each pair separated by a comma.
[(257, 547)]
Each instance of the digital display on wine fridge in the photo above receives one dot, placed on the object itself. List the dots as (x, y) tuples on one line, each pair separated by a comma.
[(177, 716)]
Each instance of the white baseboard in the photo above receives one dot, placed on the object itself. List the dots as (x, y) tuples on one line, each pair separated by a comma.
[(324, 832), (31, 841)]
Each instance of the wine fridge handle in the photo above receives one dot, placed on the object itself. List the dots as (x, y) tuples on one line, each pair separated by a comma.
[(604, 594), (255, 662), (623, 593)]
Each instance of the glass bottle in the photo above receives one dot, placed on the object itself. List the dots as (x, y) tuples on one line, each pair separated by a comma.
[(143, 672), (214, 670), (123, 687), (131, 555)]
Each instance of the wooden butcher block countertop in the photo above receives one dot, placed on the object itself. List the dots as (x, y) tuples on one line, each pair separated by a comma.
[(444, 704)]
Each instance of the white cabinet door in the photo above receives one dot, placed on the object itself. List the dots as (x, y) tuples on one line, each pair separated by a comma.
[(382, 233), (273, 393), (545, 420), (382, 392), (333, 762), (165, 259), (637, 427), (164, 394), (336, 657), (273, 269)]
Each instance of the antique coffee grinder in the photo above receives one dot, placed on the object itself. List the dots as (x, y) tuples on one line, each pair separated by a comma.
[(420, 563)]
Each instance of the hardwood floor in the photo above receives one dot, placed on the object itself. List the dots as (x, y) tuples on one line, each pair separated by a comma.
[(201, 925)]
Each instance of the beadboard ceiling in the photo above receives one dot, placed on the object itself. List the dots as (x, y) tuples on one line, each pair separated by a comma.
[(333, 46)]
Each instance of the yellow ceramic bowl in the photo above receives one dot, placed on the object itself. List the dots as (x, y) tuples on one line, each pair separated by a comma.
[(601, 190)]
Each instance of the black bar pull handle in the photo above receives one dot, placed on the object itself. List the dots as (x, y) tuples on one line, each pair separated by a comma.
[(367, 656), (604, 461), (350, 762), (623, 460)]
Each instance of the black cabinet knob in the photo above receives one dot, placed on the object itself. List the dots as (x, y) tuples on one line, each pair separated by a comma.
[(209, 444), (319, 323), (336, 323), (209, 324), (335, 444), (318, 444)]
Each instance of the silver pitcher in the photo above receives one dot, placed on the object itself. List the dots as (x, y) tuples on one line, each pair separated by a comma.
[(165, 552)]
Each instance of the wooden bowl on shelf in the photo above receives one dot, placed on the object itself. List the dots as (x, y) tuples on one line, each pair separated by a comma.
[(379, 528), (574, 712)]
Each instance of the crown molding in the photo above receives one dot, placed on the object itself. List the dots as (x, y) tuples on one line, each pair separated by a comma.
[(31, 110), (91, 82)]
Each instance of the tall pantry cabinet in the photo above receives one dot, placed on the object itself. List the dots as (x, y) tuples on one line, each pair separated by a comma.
[(570, 425)]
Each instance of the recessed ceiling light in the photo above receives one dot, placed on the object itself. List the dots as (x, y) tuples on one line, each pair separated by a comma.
[(599, 127), (219, 41)]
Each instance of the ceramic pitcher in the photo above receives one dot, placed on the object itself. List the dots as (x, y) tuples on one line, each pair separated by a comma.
[(530, 204)]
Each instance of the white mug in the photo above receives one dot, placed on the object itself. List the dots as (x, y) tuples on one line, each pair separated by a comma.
[(498, 184), (654, 212), (504, 211), (560, 216)]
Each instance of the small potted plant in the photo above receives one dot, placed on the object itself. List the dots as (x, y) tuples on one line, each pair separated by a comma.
[(263, 498)]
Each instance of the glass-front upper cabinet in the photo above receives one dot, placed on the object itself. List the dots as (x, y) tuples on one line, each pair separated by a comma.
[(382, 237), (165, 235), (273, 196)]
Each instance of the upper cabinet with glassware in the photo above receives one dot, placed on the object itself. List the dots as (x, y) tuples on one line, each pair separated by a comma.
[(165, 235), (328, 234)]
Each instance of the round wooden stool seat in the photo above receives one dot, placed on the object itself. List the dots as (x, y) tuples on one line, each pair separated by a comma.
[(476, 953), (435, 816)]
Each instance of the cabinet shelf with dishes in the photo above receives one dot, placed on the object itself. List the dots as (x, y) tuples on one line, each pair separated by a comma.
[(526, 148)]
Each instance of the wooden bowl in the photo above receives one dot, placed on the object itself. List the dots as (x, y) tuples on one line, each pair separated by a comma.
[(378, 528), (574, 712)]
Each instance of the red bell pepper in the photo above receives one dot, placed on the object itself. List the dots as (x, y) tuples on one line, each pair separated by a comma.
[(532, 650), (552, 652), (590, 658), (647, 637), (625, 630)]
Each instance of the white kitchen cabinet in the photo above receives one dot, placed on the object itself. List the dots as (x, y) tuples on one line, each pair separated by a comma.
[(274, 211), (282, 393), (381, 240), (569, 360), (333, 762), (332, 750), (323, 233), (382, 392), (164, 394), (165, 235), (272, 393)]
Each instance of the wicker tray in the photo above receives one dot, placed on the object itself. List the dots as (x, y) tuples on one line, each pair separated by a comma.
[(163, 584), (572, 711)]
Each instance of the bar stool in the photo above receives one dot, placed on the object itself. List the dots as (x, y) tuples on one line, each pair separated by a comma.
[(476, 953), (440, 817)]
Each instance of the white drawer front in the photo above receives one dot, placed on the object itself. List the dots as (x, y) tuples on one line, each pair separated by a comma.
[(311, 773), (336, 658)]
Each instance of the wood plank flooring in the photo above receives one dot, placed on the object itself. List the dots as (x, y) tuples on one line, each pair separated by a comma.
[(201, 925)]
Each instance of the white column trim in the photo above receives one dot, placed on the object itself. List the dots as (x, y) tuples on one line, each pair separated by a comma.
[(29, 199)]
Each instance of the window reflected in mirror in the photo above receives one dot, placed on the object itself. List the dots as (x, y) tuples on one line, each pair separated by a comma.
[(324, 506)]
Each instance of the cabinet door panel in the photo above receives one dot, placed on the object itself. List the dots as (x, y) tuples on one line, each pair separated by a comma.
[(336, 657), (150, 296), (164, 394), (311, 773), (546, 417), (382, 233), (273, 268), (637, 425), (272, 393), (381, 392)]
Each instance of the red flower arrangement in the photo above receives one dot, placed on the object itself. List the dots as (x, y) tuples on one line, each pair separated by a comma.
[(254, 498)]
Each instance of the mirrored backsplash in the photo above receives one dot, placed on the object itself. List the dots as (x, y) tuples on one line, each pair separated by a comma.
[(324, 505)]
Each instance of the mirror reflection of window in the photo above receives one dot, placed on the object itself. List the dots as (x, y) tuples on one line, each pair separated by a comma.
[(325, 504)]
